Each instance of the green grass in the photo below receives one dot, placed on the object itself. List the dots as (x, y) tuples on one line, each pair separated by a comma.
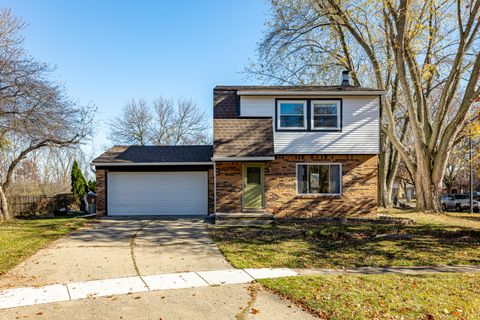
[(452, 238), (21, 238), (387, 296), (436, 239)]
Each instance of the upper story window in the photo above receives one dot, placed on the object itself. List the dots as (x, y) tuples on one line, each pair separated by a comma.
[(309, 114), (292, 114), (325, 114)]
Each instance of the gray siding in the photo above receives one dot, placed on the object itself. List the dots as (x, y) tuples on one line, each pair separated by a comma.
[(359, 135)]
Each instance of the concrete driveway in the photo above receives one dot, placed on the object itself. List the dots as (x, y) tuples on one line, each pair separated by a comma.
[(116, 248)]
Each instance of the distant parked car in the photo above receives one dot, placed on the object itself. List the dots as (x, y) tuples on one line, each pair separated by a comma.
[(444, 201), (458, 202), (476, 195)]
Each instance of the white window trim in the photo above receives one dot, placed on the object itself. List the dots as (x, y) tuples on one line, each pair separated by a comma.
[(312, 114), (318, 194), (304, 102)]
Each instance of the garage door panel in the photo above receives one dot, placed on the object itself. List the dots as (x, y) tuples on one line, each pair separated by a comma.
[(157, 193)]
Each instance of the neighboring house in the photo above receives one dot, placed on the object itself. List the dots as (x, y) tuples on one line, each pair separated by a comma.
[(292, 151)]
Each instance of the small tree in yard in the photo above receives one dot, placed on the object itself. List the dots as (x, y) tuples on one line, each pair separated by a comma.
[(92, 185), (79, 184)]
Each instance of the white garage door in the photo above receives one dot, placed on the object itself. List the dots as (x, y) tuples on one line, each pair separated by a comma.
[(157, 193)]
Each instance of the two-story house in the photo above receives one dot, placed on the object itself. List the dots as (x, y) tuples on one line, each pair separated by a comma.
[(290, 151)]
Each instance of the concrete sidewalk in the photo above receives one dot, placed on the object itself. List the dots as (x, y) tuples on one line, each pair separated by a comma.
[(202, 303), (413, 270), (19, 297)]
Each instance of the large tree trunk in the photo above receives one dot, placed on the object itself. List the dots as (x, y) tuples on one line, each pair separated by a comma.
[(389, 161), (386, 176), (4, 215), (383, 199), (428, 191)]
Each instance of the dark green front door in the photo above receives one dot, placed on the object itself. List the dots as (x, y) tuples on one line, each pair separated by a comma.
[(253, 186)]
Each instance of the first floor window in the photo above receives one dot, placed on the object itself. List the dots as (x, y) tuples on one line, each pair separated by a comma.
[(319, 179)]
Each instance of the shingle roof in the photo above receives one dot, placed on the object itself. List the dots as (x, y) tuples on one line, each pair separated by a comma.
[(243, 138), (295, 88), (156, 154)]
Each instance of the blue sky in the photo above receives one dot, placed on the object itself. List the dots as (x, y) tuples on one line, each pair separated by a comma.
[(107, 52)]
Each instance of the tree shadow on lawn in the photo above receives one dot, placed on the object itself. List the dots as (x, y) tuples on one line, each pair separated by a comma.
[(332, 245)]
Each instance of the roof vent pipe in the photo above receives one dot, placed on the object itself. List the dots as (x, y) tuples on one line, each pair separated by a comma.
[(345, 78)]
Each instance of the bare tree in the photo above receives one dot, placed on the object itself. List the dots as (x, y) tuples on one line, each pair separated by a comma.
[(162, 126), (161, 123), (132, 126), (34, 112), (190, 124), (424, 53)]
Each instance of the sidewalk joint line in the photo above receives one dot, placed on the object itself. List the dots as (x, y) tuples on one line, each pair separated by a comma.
[(68, 291), (254, 279), (208, 283)]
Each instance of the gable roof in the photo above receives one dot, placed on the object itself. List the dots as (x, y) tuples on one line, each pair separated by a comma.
[(155, 155), (243, 138)]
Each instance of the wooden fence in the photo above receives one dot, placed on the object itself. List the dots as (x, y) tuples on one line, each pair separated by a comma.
[(38, 205)]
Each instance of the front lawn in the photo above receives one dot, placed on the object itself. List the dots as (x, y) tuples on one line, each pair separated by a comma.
[(436, 239), (387, 296), (21, 238)]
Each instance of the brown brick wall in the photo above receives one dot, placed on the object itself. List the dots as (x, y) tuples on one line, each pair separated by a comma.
[(229, 186), (359, 187), (225, 104), (101, 177)]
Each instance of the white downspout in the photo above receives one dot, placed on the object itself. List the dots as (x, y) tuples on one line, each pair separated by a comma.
[(214, 188)]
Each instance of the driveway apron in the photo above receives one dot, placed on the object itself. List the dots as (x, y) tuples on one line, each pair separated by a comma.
[(104, 251)]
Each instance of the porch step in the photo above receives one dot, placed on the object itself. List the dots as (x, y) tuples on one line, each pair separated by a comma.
[(260, 218)]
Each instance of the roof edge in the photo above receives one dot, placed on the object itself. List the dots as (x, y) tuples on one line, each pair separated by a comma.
[(309, 93), (126, 164)]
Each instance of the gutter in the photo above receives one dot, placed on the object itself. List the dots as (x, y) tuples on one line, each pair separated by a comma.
[(126, 164)]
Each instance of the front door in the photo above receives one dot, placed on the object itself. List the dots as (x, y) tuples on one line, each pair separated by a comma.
[(253, 179)]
